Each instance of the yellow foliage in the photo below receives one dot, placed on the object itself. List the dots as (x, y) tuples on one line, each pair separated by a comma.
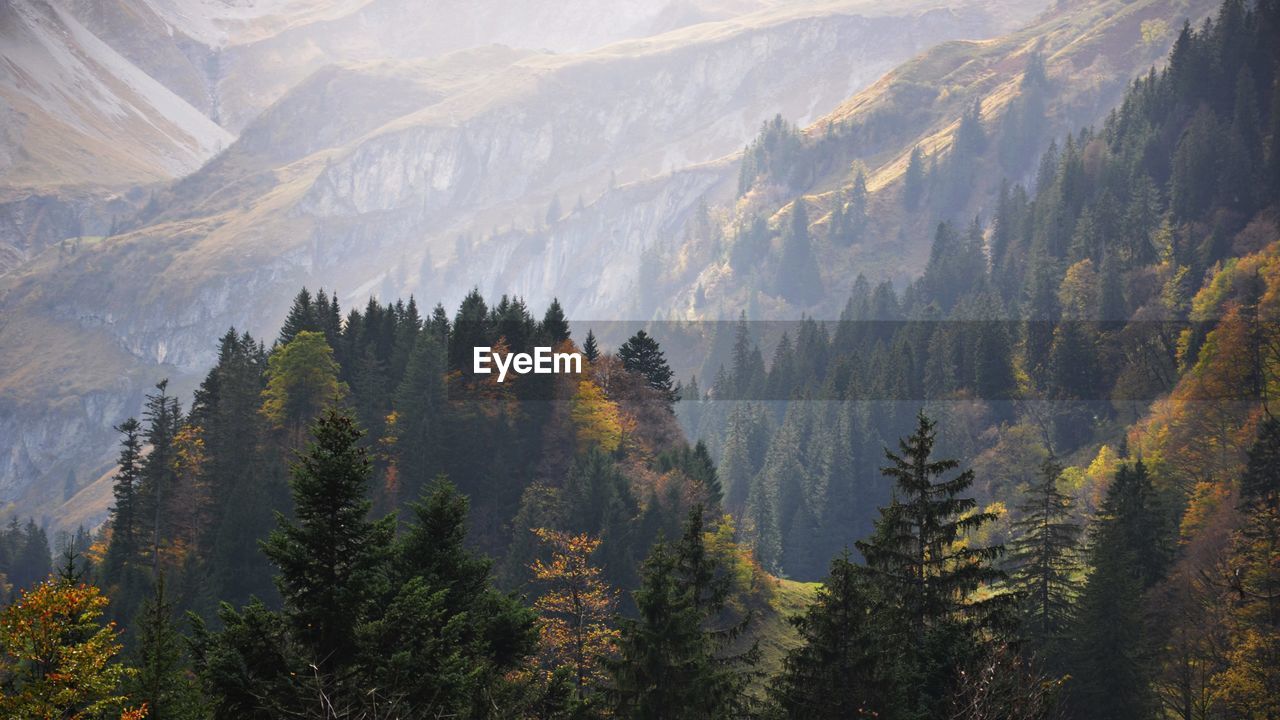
[(60, 662), (1078, 293), (595, 418), (302, 378), (576, 609)]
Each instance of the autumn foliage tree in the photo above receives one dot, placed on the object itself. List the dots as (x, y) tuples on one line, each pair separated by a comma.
[(302, 377), (575, 610), (59, 660)]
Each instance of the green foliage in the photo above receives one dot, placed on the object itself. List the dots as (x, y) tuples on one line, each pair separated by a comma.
[(670, 661), (1043, 560), (302, 378), (641, 354), (330, 555), (162, 682), (842, 670), (1127, 555), (59, 660), (918, 558), (798, 280)]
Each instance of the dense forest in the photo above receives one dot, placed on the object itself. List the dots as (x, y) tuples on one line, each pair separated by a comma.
[(1040, 481)]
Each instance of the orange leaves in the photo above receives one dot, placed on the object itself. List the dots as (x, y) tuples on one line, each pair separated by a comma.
[(575, 609), (59, 659)]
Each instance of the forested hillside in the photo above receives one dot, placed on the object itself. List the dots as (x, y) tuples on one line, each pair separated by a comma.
[(1040, 480)]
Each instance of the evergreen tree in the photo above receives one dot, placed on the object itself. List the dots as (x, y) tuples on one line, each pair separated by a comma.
[(914, 556), (123, 548), (330, 554), (302, 317), (158, 469), (420, 412), (843, 668), (589, 349), (162, 682), (1043, 561), (914, 180), (554, 325), (642, 354), (446, 639), (798, 280), (1112, 653), (670, 663), (244, 482)]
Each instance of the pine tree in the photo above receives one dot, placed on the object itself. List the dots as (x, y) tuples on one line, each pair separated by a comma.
[(158, 469), (330, 554), (1043, 559), (554, 325), (420, 411), (446, 639), (670, 665), (913, 181), (589, 349), (642, 354), (123, 548), (244, 483), (798, 279), (597, 495), (162, 681), (914, 556), (843, 668), (1126, 557), (302, 317)]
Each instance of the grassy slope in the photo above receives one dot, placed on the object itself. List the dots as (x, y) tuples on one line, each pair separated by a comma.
[(1092, 52)]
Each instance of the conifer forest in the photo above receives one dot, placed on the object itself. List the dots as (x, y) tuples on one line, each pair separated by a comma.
[(942, 392)]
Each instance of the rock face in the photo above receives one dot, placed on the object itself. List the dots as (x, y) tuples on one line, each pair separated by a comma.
[(388, 177)]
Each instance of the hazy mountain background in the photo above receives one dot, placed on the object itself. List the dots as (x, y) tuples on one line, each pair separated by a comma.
[(170, 169)]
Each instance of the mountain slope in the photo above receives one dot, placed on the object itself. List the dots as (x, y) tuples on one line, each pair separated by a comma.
[(372, 197)]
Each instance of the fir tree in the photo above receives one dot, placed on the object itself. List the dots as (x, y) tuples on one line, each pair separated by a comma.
[(159, 478), (842, 669), (123, 548), (554, 325), (670, 663), (589, 349), (330, 554), (913, 181), (914, 557), (641, 354), (162, 681), (1043, 561), (1112, 652), (302, 317), (798, 279)]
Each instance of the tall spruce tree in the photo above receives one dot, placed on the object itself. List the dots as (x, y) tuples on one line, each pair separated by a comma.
[(1043, 558), (554, 325), (843, 669), (162, 682), (123, 548), (1111, 657), (798, 279), (671, 663), (916, 556), (590, 350), (330, 555)]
